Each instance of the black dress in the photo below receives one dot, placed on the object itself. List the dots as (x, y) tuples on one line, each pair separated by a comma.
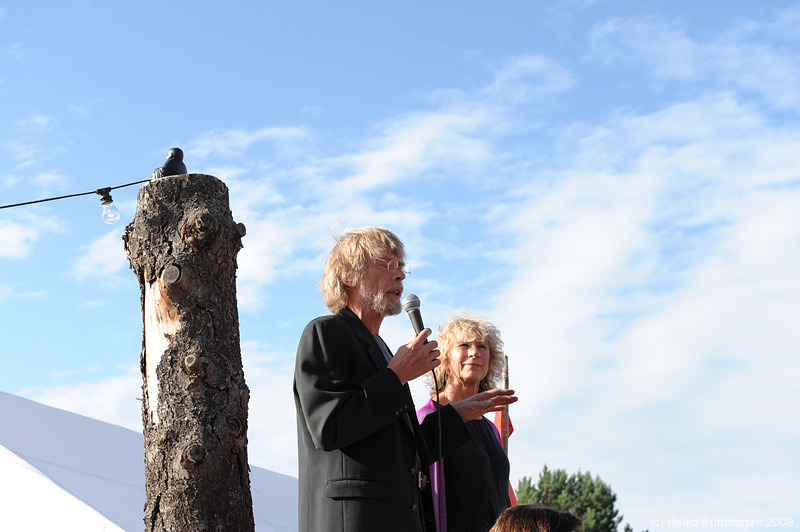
[(476, 473)]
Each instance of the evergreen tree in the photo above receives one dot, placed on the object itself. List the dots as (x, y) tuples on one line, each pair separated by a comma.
[(580, 494)]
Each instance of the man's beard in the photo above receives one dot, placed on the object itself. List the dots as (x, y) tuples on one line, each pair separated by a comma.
[(381, 303)]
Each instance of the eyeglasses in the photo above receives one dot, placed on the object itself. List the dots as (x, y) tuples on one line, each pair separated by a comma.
[(393, 266)]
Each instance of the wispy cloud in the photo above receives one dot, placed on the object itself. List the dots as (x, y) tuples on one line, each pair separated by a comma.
[(16, 239), (526, 78), (330, 190), (37, 122), (7, 292), (654, 283), (13, 51), (269, 378), (235, 142), (411, 146), (24, 152), (49, 181), (739, 59), (27, 148), (120, 404), (102, 258)]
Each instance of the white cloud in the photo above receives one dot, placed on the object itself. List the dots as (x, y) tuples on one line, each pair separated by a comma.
[(654, 303), (15, 51), (113, 400), (234, 142), (524, 78), (16, 239), (38, 122), (341, 190), (267, 247), (50, 181), (25, 152), (26, 147), (410, 146), (104, 257), (272, 435), (737, 59), (291, 241), (10, 180), (667, 50), (225, 173)]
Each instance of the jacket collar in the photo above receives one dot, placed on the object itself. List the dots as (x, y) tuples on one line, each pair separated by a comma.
[(364, 335), (377, 356)]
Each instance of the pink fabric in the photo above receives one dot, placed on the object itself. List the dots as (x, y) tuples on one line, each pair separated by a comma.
[(437, 477), (437, 472)]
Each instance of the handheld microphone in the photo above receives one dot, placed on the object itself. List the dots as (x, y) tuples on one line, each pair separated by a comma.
[(411, 305)]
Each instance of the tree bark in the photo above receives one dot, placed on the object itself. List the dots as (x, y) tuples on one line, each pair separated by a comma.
[(182, 246)]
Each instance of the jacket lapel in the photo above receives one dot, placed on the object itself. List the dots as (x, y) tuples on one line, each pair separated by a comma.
[(375, 354), (365, 336)]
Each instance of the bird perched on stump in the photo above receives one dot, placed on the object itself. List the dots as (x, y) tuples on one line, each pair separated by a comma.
[(173, 166)]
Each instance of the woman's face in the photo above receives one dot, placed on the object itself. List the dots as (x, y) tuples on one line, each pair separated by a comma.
[(470, 361)]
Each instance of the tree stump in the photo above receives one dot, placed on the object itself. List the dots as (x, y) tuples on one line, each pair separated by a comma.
[(182, 246)]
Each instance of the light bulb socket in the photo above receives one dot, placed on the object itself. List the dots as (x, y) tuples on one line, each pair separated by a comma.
[(105, 195)]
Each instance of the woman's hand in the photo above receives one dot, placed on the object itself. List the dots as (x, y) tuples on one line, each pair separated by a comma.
[(479, 404)]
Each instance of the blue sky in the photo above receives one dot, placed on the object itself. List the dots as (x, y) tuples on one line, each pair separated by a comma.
[(615, 185)]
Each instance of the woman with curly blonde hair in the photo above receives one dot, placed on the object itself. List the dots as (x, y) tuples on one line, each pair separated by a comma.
[(477, 471), (466, 329)]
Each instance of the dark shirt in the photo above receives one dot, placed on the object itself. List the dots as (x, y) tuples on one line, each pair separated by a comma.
[(476, 473)]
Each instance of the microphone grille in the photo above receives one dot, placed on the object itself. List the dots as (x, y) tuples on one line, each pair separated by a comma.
[(410, 302)]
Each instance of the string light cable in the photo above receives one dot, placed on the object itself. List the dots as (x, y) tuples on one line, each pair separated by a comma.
[(111, 214)]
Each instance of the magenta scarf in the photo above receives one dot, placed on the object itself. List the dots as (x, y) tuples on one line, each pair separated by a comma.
[(437, 473)]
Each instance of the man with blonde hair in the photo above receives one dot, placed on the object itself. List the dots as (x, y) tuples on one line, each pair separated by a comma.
[(363, 459)]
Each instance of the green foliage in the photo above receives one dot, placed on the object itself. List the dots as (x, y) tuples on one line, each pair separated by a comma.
[(587, 497)]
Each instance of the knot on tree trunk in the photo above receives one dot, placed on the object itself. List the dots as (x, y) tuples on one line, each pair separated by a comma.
[(193, 455), (172, 276), (236, 428), (196, 365), (200, 229), (175, 280)]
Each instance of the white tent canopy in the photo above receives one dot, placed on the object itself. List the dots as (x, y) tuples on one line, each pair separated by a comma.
[(66, 472)]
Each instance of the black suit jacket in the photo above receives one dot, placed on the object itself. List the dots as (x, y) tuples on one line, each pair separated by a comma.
[(360, 448)]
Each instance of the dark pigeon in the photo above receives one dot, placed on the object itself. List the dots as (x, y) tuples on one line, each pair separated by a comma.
[(173, 166)]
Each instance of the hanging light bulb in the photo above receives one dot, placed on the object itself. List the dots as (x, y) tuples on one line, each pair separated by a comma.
[(110, 212)]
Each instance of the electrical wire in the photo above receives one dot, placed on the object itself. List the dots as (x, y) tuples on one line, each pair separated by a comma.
[(98, 191)]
